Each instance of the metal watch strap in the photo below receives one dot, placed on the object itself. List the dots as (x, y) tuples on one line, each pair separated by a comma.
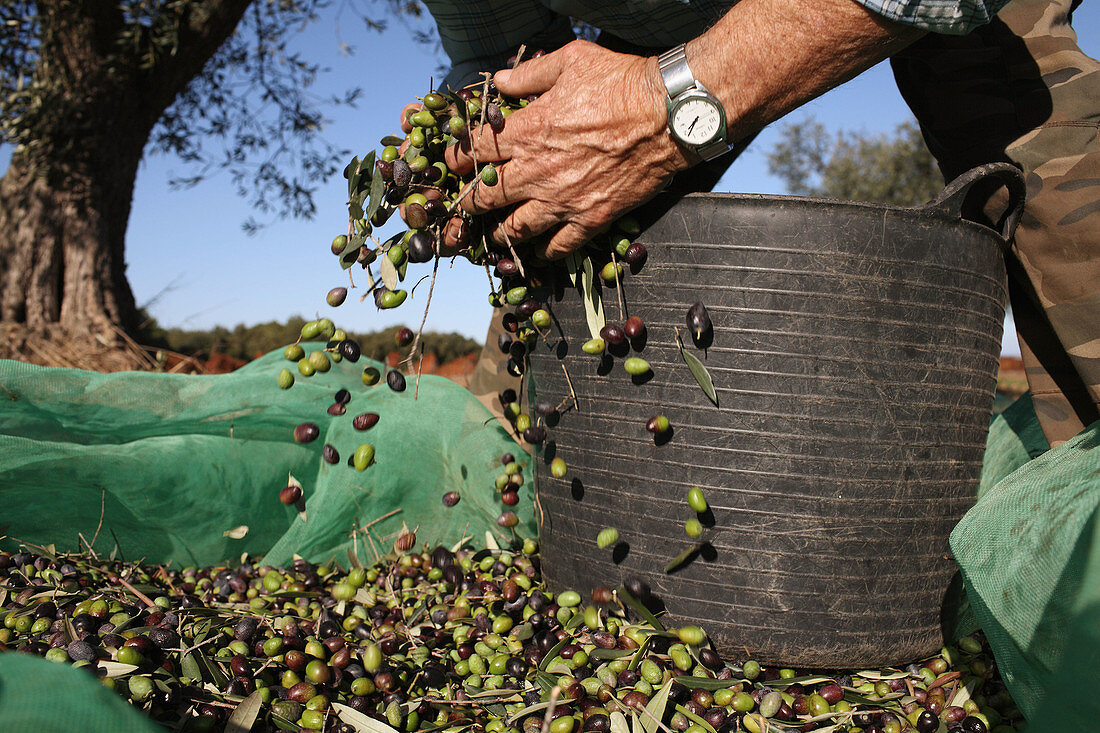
[(675, 71), (678, 79)]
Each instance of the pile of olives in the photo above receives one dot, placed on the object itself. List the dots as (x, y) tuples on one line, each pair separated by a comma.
[(458, 640)]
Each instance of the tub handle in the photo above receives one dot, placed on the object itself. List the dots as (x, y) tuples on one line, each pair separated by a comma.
[(952, 200)]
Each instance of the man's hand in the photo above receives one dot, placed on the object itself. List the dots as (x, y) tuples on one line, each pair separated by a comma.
[(591, 147)]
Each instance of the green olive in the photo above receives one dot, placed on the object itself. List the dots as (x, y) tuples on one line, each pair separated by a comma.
[(294, 352), (286, 379), (636, 366), (393, 298), (696, 500), (389, 154), (594, 346), (371, 376), (516, 295), (423, 118), (363, 457), (558, 467), (607, 537)]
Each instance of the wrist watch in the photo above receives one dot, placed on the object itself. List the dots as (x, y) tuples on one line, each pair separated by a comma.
[(696, 119)]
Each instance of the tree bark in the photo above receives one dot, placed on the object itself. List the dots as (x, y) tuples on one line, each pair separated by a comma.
[(65, 204)]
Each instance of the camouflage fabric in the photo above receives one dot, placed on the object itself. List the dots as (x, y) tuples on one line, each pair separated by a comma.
[(1020, 90), (490, 378)]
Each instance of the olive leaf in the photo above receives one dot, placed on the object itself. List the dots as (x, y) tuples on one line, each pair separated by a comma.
[(546, 681), (640, 608), (682, 558), (411, 153), (810, 679), (640, 652), (352, 172), (237, 533), (618, 723), (190, 668), (389, 273), (705, 683), (656, 709), (593, 303), (871, 674), (284, 724), (245, 714), (571, 267), (116, 669), (702, 376), (377, 191), (609, 653), (553, 653), (362, 723), (391, 140)]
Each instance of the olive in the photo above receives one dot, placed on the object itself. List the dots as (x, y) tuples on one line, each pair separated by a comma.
[(451, 498), (404, 336), (286, 379), (395, 380), (421, 247), (658, 424), (506, 268), (515, 296), (611, 272), (336, 409), (541, 318), (336, 296), (510, 498), (698, 502), (294, 352), (594, 346), (371, 376), (504, 343), (389, 154), (307, 432), (415, 215), (527, 308), (435, 101), (350, 350), (612, 334), (698, 321), (535, 435), (636, 366), (607, 537), (402, 174), (457, 127), (494, 116), (319, 361), (635, 253), (290, 495), (392, 298), (557, 467), (366, 421), (508, 519), (634, 327), (329, 454), (489, 175), (339, 243), (363, 456), (423, 118), (693, 528)]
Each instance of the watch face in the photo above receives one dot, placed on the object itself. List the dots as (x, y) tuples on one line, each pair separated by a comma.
[(695, 121)]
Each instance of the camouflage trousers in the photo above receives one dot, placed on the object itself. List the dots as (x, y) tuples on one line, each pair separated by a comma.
[(1020, 90), (1017, 90)]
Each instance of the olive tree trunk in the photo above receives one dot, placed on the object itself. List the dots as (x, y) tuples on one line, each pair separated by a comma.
[(65, 200)]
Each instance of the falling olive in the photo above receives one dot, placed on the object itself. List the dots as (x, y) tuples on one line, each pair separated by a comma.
[(395, 380), (336, 296), (363, 456), (698, 321)]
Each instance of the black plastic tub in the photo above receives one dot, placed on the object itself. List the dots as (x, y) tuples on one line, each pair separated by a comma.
[(854, 355)]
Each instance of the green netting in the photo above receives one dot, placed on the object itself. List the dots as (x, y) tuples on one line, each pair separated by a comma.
[(45, 697), (173, 462), (1029, 552)]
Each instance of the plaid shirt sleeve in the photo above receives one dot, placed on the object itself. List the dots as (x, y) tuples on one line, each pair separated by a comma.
[(480, 35), (952, 17)]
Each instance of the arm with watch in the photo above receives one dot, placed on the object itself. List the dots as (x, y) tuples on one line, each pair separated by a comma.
[(609, 130)]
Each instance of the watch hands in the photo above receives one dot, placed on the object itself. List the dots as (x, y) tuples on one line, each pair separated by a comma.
[(692, 125)]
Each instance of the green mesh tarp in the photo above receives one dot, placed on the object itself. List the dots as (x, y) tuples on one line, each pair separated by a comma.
[(1029, 552), (168, 466)]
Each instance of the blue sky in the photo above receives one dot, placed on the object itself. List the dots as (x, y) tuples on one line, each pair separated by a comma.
[(191, 264)]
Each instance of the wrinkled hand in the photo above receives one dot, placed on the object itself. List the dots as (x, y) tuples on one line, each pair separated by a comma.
[(591, 147)]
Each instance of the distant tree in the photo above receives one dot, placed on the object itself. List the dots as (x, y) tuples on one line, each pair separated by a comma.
[(893, 169), (87, 86)]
